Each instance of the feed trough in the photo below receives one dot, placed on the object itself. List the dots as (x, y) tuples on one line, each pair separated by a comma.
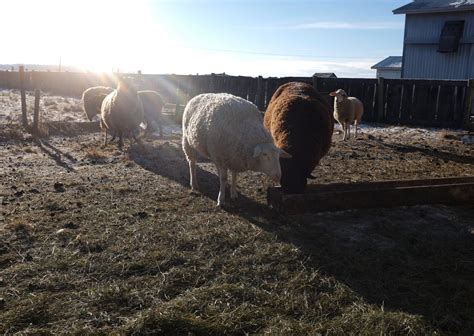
[(343, 196)]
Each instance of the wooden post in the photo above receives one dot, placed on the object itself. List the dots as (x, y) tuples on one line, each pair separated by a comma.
[(23, 97), (469, 106), (259, 97), (36, 112), (212, 84), (315, 82), (177, 100), (380, 99), (266, 99)]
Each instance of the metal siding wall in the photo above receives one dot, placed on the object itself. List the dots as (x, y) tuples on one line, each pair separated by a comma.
[(429, 26), (471, 64), (424, 62), (389, 74)]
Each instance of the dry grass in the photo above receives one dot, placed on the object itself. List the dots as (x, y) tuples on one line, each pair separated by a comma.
[(30, 150), (94, 153), (11, 132), (50, 103), (124, 248), (448, 135)]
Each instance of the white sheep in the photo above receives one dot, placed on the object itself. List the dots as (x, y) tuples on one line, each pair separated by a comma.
[(347, 111), (122, 111), (229, 131)]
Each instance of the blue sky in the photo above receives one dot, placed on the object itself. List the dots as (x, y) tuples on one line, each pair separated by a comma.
[(239, 37)]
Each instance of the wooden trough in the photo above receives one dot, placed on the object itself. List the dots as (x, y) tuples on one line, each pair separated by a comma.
[(343, 196)]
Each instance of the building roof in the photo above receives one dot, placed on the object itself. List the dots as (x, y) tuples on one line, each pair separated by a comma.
[(435, 6), (325, 75), (391, 63)]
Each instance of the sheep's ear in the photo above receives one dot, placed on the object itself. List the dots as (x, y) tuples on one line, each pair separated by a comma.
[(257, 151), (332, 94), (284, 155)]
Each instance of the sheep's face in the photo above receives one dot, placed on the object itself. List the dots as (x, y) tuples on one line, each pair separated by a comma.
[(339, 95), (267, 157), (293, 179)]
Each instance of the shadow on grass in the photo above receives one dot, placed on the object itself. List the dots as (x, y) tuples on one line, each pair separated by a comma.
[(446, 156), (56, 154), (416, 259), (168, 160)]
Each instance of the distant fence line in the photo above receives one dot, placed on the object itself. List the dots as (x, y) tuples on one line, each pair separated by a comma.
[(438, 103)]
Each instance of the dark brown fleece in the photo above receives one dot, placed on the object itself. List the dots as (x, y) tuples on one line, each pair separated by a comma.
[(301, 123)]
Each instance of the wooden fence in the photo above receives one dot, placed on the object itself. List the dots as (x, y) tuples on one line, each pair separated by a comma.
[(438, 103)]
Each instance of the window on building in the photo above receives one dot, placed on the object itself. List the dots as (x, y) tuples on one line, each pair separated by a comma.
[(450, 36)]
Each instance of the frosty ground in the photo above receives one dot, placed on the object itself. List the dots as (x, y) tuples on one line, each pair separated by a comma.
[(93, 240)]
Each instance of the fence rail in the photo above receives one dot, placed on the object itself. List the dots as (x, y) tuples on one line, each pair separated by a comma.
[(438, 103)]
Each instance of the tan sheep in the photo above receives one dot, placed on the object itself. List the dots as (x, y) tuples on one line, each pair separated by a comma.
[(347, 111), (122, 111)]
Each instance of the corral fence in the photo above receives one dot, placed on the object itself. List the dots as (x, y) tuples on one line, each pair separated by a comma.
[(437, 103)]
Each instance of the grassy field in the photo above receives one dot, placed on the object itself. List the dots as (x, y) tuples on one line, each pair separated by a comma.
[(95, 241)]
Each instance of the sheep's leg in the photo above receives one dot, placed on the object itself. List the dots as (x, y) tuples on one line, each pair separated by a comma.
[(138, 140), (192, 174), (191, 158), (348, 130), (233, 186), (344, 130), (355, 129), (342, 126), (120, 143), (160, 126), (105, 138), (222, 185)]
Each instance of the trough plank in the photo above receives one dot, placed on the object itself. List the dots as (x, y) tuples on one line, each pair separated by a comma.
[(340, 196)]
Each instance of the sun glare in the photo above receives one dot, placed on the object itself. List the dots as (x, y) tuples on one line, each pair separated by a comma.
[(92, 35)]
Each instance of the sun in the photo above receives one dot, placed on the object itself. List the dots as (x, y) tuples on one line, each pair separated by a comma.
[(92, 35)]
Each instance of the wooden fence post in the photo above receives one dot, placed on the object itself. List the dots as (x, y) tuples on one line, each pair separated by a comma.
[(23, 97), (315, 82), (178, 93), (36, 112), (380, 99), (469, 106), (212, 83), (259, 97)]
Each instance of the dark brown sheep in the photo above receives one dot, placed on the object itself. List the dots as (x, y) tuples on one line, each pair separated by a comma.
[(301, 123)]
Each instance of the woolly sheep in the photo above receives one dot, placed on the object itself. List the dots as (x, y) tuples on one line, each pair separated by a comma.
[(122, 111), (152, 106), (300, 122), (347, 111), (152, 101), (229, 131), (92, 100)]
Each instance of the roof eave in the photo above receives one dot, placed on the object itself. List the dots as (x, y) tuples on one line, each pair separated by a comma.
[(386, 68), (432, 10)]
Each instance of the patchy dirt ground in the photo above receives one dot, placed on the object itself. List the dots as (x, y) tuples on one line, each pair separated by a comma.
[(94, 241)]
